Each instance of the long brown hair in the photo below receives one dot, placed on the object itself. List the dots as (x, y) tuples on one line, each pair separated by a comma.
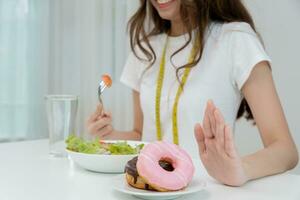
[(201, 12)]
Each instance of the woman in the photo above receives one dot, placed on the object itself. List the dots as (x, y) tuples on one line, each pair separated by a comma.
[(203, 61)]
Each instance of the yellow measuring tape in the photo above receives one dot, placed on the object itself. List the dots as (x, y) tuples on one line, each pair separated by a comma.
[(159, 84)]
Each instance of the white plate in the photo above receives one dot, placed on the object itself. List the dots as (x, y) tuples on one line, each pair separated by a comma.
[(103, 163), (120, 184)]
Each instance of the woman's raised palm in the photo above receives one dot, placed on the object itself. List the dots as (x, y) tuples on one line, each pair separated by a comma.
[(217, 150)]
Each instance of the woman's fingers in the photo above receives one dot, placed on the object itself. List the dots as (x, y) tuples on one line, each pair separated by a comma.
[(105, 131), (104, 114), (96, 114), (229, 143), (207, 129), (107, 114), (220, 129), (101, 123), (211, 109), (199, 135)]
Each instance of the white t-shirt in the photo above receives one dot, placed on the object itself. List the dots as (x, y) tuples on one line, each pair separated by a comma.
[(231, 51)]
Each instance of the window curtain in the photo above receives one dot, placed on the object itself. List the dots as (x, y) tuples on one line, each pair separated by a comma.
[(61, 47), (23, 66)]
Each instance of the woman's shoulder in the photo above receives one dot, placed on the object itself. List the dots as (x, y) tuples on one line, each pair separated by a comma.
[(220, 30), (230, 34), (240, 27)]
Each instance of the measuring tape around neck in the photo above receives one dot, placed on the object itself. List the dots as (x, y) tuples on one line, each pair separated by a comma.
[(159, 85)]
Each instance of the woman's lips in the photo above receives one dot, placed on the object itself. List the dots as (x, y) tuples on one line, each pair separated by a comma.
[(162, 4)]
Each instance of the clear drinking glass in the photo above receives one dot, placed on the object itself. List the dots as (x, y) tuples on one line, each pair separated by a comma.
[(61, 115)]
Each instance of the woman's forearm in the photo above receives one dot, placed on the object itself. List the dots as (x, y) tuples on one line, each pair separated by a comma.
[(124, 135), (276, 158)]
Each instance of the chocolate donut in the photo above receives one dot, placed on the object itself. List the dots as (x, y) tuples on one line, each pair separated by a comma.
[(133, 178)]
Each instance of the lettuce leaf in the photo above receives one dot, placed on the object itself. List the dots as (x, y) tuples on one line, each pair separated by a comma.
[(77, 144)]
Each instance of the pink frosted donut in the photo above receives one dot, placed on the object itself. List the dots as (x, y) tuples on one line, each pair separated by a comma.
[(149, 169)]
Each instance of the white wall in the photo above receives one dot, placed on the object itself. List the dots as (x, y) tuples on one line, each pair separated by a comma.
[(278, 21)]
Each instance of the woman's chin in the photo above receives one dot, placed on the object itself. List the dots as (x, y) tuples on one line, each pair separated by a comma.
[(171, 14), (167, 16), (169, 10)]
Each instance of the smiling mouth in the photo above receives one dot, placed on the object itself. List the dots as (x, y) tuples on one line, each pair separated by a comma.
[(164, 3)]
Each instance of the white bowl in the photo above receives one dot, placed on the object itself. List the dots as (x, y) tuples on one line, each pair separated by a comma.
[(103, 163)]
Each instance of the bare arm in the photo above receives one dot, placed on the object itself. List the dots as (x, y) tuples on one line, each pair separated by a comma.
[(279, 153), (136, 133), (100, 125), (216, 144)]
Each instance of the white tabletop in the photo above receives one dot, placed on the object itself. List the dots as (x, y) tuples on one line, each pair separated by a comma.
[(27, 172)]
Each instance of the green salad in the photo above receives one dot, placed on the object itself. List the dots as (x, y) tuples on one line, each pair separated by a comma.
[(97, 146)]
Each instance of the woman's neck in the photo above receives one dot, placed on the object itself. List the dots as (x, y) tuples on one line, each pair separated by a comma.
[(177, 28)]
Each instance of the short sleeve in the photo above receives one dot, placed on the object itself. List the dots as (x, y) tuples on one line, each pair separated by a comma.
[(132, 72), (246, 51)]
